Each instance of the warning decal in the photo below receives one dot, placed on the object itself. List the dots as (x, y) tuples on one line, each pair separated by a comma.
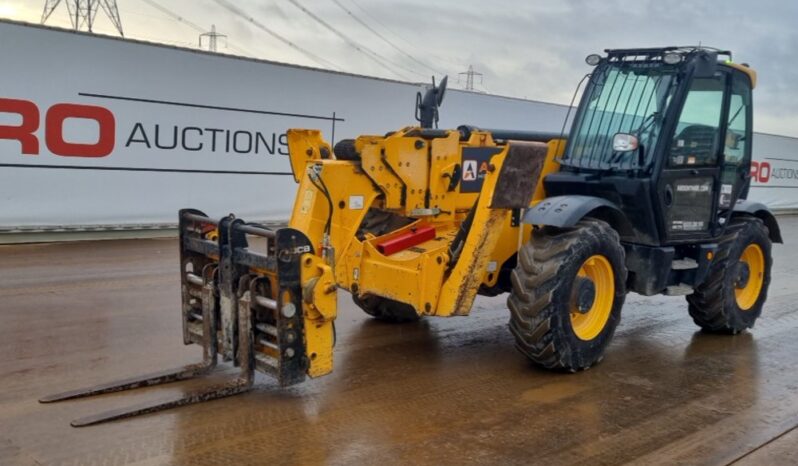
[(469, 170), (475, 161)]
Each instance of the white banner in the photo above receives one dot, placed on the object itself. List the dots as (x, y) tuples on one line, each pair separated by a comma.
[(98, 131), (774, 171)]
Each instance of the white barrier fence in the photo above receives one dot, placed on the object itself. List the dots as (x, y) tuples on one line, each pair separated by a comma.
[(99, 132)]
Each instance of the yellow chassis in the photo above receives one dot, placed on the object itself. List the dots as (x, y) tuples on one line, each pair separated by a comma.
[(408, 175)]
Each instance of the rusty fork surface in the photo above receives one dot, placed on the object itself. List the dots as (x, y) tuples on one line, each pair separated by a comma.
[(240, 384), (210, 345), (209, 358)]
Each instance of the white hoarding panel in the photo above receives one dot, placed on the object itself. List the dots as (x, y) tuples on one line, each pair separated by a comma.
[(774, 171), (99, 131), (489, 111), (115, 132)]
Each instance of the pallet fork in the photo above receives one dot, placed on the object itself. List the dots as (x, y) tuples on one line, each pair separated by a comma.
[(238, 303)]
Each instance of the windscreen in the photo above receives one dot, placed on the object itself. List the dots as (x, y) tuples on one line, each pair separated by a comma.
[(621, 98)]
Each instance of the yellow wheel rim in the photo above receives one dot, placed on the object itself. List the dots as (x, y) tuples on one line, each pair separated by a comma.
[(746, 296), (588, 325)]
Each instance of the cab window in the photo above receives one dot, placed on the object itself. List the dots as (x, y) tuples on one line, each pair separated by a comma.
[(696, 138), (737, 142), (736, 145)]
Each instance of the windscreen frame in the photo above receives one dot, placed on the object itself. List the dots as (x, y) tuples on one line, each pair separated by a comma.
[(595, 155)]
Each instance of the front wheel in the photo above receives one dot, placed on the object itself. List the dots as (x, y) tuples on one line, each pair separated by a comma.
[(568, 291), (731, 298)]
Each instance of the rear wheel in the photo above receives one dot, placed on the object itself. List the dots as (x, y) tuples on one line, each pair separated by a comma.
[(567, 293), (731, 298), (386, 309)]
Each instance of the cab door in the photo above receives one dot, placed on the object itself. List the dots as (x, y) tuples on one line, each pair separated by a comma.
[(735, 175), (689, 183)]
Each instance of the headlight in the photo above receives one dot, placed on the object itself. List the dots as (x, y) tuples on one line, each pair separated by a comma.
[(671, 58), (593, 59)]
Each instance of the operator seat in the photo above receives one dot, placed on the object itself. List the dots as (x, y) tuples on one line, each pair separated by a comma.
[(696, 141)]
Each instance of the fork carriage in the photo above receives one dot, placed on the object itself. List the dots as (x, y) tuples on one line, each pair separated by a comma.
[(238, 303)]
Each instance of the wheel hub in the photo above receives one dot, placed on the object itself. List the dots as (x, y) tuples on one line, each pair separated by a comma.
[(592, 297), (743, 275), (749, 276), (583, 295)]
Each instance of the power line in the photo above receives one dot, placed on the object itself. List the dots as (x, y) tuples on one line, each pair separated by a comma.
[(395, 34), (375, 57), (386, 40), (174, 15), (191, 24), (378, 21), (235, 10)]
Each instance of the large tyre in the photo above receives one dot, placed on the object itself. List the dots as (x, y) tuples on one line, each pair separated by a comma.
[(731, 298), (568, 291), (386, 309)]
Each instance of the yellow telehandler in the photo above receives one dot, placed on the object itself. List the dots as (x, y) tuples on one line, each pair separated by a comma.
[(647, 193)]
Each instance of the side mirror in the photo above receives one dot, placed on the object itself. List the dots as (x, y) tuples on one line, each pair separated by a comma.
[(441, 90), (427, 106), (624, 142)]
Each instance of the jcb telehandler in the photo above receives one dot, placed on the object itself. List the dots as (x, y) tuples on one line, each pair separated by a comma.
[(646, 194)]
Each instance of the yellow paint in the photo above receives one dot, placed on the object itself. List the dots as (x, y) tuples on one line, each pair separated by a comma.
[(508, 243), (445, 156), (397, 174), (460, 289), (212, 235), (748, 71), (551, 165), (589, 325), (407, 158), (375, 167), (305, 145), (319, 306), (307, 202), (747, 296), (409, 276)]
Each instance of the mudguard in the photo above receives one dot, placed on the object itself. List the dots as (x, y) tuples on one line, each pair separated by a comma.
[(759, 210), (565, 211)]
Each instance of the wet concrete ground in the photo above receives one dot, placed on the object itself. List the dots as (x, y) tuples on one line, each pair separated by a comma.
[(451, 391)]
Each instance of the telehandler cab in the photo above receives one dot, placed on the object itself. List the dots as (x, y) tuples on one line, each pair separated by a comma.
[(647, 194)]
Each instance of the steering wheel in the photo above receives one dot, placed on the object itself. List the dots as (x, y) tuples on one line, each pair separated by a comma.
[(697, 141)]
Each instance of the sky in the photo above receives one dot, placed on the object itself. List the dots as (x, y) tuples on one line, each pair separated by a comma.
[(530, 49)]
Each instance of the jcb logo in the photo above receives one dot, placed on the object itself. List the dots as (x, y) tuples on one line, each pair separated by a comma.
[(760, 171), (54, 120)]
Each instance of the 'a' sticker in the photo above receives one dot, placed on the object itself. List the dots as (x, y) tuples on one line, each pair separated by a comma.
[(470, 170)]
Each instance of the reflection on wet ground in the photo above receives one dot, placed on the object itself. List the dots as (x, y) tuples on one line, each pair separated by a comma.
[(438, 391)]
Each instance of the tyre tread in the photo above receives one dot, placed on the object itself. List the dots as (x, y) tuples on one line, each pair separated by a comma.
[(709, 304), (531, 302)]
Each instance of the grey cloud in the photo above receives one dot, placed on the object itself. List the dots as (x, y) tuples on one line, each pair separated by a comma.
[(524, 48)]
